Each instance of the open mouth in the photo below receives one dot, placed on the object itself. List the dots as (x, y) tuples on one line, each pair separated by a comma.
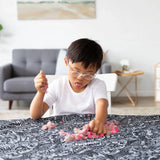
[(78, 85)]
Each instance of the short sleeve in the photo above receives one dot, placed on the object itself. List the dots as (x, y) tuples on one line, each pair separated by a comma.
[(99, 90)]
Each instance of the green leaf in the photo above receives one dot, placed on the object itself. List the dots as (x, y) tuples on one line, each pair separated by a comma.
[(1, 27)]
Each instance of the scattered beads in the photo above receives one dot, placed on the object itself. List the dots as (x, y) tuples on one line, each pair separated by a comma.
[(49, 125), (111, 127), (86, 134)]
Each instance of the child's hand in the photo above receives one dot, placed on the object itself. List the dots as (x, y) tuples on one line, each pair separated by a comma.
[(97, 127), (40, 82)]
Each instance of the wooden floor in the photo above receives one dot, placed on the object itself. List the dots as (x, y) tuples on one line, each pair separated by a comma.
[(145, 106)]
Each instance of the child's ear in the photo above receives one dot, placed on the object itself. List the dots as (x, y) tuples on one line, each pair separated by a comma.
[(65, 61)]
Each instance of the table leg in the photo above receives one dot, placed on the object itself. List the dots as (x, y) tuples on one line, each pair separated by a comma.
[(124, 88), (136, 95)]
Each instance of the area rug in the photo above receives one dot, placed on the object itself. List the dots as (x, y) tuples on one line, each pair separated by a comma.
[(139, 138)]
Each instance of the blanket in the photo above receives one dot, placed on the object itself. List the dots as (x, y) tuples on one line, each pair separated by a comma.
[(139, 138)]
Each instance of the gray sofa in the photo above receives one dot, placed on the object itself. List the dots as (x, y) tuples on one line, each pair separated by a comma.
[(16, 78)]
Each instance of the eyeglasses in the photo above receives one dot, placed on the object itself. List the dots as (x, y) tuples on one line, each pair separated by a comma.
[(77, 74)]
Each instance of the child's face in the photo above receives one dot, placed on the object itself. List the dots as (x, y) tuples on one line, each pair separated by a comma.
[(79, 77)]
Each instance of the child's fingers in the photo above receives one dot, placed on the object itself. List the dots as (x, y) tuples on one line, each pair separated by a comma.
[(97, 128), (41, 72), (43, 76), (100, 129), (38, 85), (40, 82), (104, 130), (94, 126), (91, 125)]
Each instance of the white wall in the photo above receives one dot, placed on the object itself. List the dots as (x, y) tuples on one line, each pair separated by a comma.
[(128, 28)]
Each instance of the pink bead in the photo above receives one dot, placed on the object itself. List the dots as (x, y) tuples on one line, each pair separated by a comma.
[(89, 136), (44, 127), (112, 128), (49, 123), (68, 138), (49, 127), (45, 87), (94, 136), (79, 137), (91, 133), (73, 136), (53, 125), (63, 133), (85, 132), (116, 129), (81, 132), (101, 135), (117, 123), (60, 122)]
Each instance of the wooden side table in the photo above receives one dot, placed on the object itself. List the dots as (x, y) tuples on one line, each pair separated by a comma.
[(132, 76)]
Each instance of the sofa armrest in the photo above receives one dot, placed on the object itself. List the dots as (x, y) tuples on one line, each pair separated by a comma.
[(5, 73), (106, 68)]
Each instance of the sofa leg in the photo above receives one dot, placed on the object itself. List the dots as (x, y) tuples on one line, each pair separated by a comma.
[(10, 105)]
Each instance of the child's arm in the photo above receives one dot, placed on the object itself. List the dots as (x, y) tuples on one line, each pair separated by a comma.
[(98, 124), (38, 107)]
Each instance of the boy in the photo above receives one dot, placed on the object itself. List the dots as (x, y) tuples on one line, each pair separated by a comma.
[(79, 92)]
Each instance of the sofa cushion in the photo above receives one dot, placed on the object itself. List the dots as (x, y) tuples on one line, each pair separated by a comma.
[(28, 62), (21, 84)]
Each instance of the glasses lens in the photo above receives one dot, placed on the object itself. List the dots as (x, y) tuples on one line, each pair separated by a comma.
[(74, 73), (88, 77), (77, 74)]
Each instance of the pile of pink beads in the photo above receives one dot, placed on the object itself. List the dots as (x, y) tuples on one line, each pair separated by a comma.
[(112, 128)]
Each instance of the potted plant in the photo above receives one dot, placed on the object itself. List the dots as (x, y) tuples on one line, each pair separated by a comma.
[(125, 64), (1, 27)]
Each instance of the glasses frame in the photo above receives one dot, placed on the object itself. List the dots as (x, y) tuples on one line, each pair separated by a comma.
[(80, 74)]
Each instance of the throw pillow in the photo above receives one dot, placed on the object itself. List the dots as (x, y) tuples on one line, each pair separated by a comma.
[(104, 60), (61, 67)]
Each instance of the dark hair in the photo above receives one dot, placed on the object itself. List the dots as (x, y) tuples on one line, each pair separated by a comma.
[(86, 51)]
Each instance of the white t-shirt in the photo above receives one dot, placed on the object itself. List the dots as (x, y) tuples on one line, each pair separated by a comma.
[(66, 101)]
